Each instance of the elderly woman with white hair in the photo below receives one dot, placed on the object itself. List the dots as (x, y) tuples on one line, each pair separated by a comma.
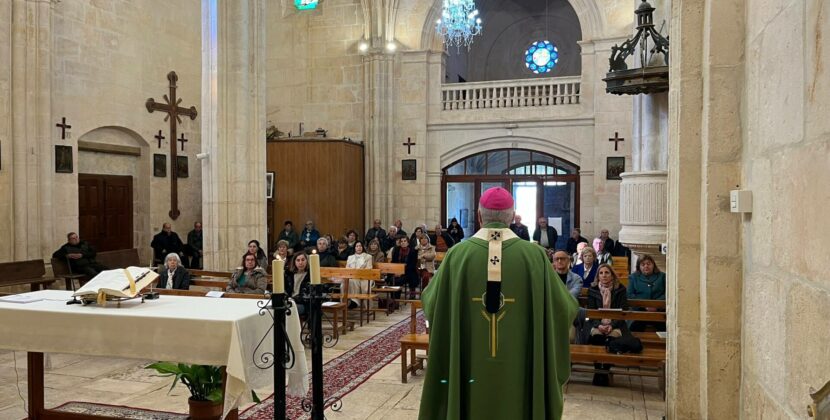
[(172, 274)]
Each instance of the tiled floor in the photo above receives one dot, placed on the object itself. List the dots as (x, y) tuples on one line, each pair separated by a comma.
[(383, 396)]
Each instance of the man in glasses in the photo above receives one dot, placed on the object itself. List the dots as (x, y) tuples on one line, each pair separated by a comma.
[(571, 280)]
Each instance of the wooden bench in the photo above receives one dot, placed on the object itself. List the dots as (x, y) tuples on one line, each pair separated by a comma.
[(32, 272), (621, 268), (412, 342), (208, 273), (359, 274), (651, 361), (121, 258)]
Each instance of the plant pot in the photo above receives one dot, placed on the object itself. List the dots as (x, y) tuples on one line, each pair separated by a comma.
[(204, 410)]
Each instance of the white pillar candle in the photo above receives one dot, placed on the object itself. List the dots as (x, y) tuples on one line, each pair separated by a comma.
[(278, 274), (314, 264)]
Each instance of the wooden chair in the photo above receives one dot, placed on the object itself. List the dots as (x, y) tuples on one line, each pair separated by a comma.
[(621, 268), (61, 269), (412, 342)]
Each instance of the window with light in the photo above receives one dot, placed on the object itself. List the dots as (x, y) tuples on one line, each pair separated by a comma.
[(305, 4), (541, 57)]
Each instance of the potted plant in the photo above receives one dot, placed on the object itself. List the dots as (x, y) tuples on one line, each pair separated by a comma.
[(204, 383)]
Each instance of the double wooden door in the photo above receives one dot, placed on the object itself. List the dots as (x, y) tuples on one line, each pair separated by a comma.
[(105, 207)]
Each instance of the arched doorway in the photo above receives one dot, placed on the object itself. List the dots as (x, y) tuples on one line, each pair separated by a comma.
[(542, 185)]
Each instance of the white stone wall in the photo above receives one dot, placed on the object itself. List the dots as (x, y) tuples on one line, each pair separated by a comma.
[(314, 72), (786, 147), (108, 58), (6, 195)]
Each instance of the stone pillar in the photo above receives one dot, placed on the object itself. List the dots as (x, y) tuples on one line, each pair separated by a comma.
[(704, 238), (32, 125), (379, 133), (643, 191), (233, 129)]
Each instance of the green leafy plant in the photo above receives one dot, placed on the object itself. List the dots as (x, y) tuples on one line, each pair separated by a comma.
[(203, 381)]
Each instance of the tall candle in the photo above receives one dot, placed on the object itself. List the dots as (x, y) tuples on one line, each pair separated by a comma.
[(278, 270), (314, 264)]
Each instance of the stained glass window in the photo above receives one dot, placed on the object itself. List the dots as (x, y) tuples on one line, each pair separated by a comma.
[(541, 57), (305, 4)]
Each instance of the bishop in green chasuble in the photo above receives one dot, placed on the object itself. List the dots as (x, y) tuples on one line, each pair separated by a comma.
[(507, 359)]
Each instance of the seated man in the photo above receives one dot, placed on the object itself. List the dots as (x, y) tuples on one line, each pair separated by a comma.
[(164, 243), (288, 235), (80, 256), (194, 246)]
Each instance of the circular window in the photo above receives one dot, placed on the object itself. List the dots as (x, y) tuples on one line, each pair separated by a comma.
[(541, 57)]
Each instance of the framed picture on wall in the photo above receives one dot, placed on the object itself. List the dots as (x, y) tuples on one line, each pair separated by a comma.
[(159, 165), (614, 167), (182, 170), (409, 169), (63, 159), (269, 185)]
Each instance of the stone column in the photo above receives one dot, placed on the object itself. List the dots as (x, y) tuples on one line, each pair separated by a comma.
[(32, 125), (705, 251), (643, 191), (233, 129)]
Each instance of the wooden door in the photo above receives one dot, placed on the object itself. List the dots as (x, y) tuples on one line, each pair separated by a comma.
[(105, 211)]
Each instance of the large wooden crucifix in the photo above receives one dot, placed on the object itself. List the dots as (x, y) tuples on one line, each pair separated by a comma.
[(173, 111)]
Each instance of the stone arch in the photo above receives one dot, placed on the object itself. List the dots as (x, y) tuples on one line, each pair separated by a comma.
[(118, 150), (551, 147), (589, 13)]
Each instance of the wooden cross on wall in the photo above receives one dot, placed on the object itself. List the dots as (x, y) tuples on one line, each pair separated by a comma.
[(63, 126), (409, 143), (173, 111), (616, 139), (182, 140), (159, 137)]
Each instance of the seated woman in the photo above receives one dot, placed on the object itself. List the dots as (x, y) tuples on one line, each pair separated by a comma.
[(250, 278), (351, 238), (404, 254), (343, 251), (606, 293), (298, 281), (376, 252), (415, 239), (258, 253), (426, 261), (172, 275), (603, 256), (282, 251), (647, 282), (455, 230), (327, 258), (441, 239), (360, 259), (588, 269)]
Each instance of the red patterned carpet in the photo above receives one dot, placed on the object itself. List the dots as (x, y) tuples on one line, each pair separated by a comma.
[(345, 373)]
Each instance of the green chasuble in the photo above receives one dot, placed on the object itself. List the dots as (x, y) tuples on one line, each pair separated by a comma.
[(507, 365)]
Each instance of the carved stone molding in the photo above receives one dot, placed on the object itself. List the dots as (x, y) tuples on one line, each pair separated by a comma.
[(643, 207)]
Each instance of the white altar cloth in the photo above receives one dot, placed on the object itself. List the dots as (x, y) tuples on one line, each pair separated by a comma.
[(221, 332)]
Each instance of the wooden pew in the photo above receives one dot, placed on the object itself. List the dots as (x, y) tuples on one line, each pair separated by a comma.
[(621, 268), (32, 272), (208, 273), (121, 258), (651, 361), (360, 274)]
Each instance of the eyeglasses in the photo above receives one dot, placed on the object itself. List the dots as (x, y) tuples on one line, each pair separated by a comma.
[(561, 258)]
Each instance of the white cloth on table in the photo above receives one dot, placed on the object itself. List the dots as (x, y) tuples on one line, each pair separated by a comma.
[(196, 330)]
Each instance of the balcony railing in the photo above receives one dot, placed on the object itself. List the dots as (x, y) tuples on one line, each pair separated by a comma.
[(551, 91)]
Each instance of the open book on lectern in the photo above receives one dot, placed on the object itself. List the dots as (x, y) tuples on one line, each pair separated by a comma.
[(119, 283)]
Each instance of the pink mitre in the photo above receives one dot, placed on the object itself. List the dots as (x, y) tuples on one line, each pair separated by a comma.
[(496, 198)]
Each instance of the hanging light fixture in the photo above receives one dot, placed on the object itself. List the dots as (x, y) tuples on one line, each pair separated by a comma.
[(459, 23)]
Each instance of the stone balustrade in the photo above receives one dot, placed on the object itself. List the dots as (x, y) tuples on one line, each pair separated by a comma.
[(551, 91)]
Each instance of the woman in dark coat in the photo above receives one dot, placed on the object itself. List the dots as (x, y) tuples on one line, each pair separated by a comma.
[(405, 254), (606, 292), (298, 281), (455, 230), (172, 275)]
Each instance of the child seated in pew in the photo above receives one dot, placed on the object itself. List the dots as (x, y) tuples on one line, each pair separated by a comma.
[(647, 282)]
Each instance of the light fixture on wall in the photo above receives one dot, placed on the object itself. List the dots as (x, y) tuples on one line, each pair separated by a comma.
[(459, 23), (305, 4)]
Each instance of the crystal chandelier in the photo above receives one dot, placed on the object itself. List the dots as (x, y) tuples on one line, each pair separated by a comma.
[(459, 23)]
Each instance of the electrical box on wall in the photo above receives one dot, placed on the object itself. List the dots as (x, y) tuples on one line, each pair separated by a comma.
[(740, 201)]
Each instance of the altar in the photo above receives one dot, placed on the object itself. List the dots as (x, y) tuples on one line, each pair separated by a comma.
[(196, 330)]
